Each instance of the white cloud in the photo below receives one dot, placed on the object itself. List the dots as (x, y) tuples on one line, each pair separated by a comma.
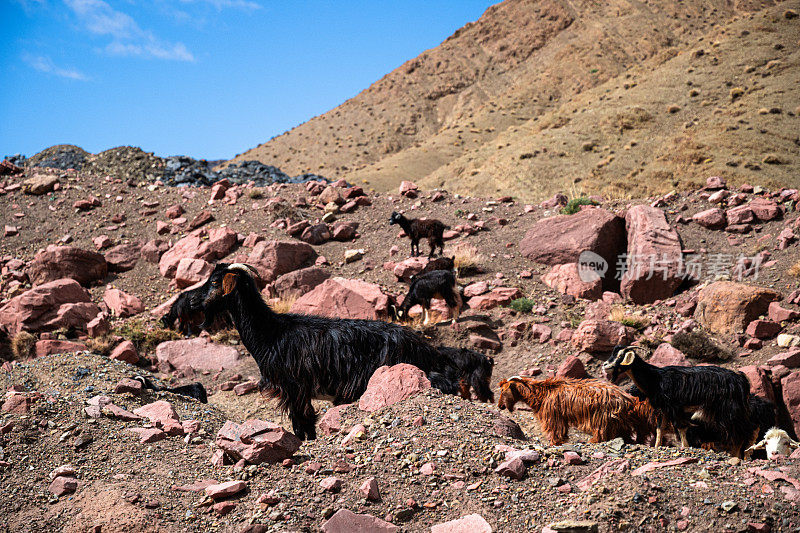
[(225, 4), (127, 37), (45, 64)]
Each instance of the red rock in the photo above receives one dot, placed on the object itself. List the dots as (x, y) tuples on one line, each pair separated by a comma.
[(763, 329), (49, 347), (158, 412), (191, 271), (209, 245), (348, 207), (512, 468), (148, 435), (369, 489), (572, 458), (198, 354), (409, 267), (655, 258), (63, 485), (123, 257), (765, 210), (297, 228), (667, 355), (654, 465), (223, 508), (758, 527), (482, 342), (713, 218), (125, 351), (344, 298), (190, 426), (134, 386), (316, 234), (331, 421), (476, 289), (63, 470), (245, 388), (174, 211), (566, 279), (101, 241), (739, 215), (562, 239), (57, 304), (540, 332), (153, 249), (392, 384), (118, 412), (790, 359), (557, 200), (330, 194), (299, 282), (122, 304), (472, 523), (791, 397), (346, 521), (225, 490), (781, 314), (427, 469), (726, 307), (19, 403), (58, 262), (200, 219), (218, 191), (274, 258), (497, 297), (598, 336), (98, 326), (331, 484), (760, 384), (409, 189), (162, 228), (257, 441), (716, 182), (572, 367)]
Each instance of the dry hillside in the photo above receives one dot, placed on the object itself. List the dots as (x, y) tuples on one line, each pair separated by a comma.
[(540, 94)]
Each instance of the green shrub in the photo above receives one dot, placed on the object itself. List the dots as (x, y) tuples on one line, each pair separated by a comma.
[(574, 205), (522, 305)]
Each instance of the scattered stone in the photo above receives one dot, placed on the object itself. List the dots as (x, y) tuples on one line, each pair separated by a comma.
[(346, 521), (472, 523), (392, 384), (257, 441)]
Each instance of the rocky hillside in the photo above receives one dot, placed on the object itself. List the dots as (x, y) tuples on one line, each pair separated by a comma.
[(89, 260), (539, 96)]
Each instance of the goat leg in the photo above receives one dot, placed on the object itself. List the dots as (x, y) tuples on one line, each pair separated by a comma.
[(684, 440), (659, 436)]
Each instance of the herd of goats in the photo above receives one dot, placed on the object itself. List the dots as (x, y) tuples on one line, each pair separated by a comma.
[(306, 357)]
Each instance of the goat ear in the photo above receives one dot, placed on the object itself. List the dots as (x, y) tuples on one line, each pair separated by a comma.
[(627, 359), (228, 283)]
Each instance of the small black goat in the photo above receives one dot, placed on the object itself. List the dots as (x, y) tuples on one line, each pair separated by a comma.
[(305, 357), (461, 371), (186, 313), (192, 390), (715, 397), (425, 287), (417, 228), (763, 416)]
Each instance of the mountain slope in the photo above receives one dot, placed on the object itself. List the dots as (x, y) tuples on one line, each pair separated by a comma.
[(521, 60)]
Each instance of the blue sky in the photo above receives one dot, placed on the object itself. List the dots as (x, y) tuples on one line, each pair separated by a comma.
[(204, 78)]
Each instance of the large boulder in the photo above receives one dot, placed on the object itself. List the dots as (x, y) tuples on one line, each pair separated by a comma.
[(58, 262), (655, 258), (409, 267), (726, 307), (198, 354), (497, 297), (563, 238), (257, 441), (121, 303), (299, 282), (392, 384), (790, 385), (471, 523), (274, 258), (191, 271), (567, 279), (667, 355), (39, 183), (601, 336), (202, 243), (344, 298), (57, 304), (123, 257), (760, 382)]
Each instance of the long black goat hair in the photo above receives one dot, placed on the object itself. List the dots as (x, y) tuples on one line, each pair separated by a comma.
[(714, 397), (305, 357)]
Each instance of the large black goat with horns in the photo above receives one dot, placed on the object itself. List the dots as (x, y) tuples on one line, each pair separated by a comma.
[(709, 396), (305, 357)]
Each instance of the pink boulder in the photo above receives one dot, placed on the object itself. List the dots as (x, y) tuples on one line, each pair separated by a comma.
[(781, 314), (125, 351), (713, 218), (346, 521), (572, 367), (344, 298), (201, 243), (274, 258), (392, 384), (225, 490), (409, 267), (49, 347), (191, 271), (566, 279), (791, 398), (760, 383), (299, 282), (369, 489), (331, 421), (62, 485), (599, 336), (666, 355), (765, 210), (471, 523), (497, 297), (122, 304), (57, 262), (123, 257), (57, 304), (257, 441), (763, 329), (197, 354), (728, 307)]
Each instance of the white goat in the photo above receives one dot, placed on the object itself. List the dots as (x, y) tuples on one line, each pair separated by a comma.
[(777, 442)]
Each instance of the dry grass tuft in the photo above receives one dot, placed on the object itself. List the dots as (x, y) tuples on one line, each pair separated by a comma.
[(102, 345), (144, 336), (794, 270), (467, 259), (22, 345), (619, 314), (226, 336), (283, 304)]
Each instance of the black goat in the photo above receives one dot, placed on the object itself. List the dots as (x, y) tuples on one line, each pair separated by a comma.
[(440, 263), (305, 357), (192, 390), (763, 417), (417, 228), (186, 313), (425, 287), (714, 397), (463, 371)]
